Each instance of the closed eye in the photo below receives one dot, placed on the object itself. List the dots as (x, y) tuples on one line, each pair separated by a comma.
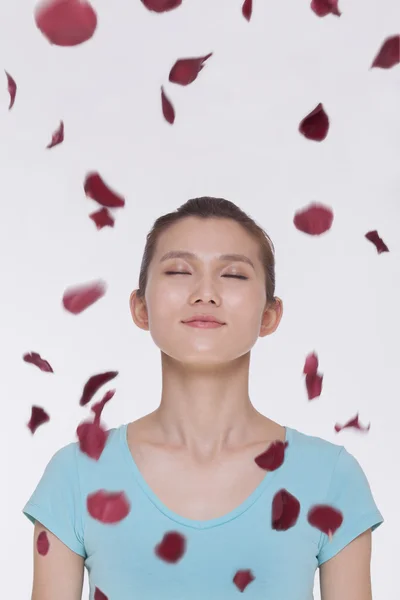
[(185, 273)]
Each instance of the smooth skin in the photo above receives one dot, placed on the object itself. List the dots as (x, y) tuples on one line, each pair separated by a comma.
[(205, 409)]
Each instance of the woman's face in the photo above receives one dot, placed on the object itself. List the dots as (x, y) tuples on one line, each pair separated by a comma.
[(205, 283)]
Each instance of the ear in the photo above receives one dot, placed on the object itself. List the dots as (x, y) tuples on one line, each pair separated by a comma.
[(139, 311), (272, 317)]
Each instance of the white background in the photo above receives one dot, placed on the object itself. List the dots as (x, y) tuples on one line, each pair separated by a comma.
[(236, 136)]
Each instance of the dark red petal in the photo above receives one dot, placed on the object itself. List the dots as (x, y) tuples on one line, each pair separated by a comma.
[(325, 7), (352, 423), (167, 108), (285, 510), (243, 578), (66, 22), (161, 5), (102, 218), (92, 439), (79, 298), (273, 457), (108, 507), (12, 89), (315, 125), (98, 407), (311, 364), (325, 518), (35, 359), (172, 547), (314, 220), (99, 595), (373, 237), (97, 190), (42, 543), (38, 417), (94, 383), (58, 136), (247, 9), (186, 70), (314, 385), (389, 53)]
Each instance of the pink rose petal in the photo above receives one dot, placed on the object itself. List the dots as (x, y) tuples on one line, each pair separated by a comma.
[(186, 70), (315, 125), (325, 518), (352, 423), (99, 595), (97, 190), (273, 457), (108, 507), (160, 6), (38, 417), (172, 547), (57, 137), (285, 510), (66, 22), (325, 7), (311, 364), (79, 298), (98, 407), (380, 245), (247, 9), (12, 89), (42, 543), (102, 218), (94, 383), (35, 359), (242, 579), (92, 439), (167, 108), (314, 220), (389, 53), (314, 385)]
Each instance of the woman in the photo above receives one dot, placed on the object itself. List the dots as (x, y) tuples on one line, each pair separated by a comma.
[(204, 518)]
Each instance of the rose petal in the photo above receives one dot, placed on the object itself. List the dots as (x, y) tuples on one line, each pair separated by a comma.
[(243, 578), (66, 22), (285, 510), (167, 108), (186, 70), (273, 457), (92, 439), (94, 383), (102, 218), (314, 385), (12, 89), (98, 407), (314, 220), (389, 53), (58, 136), (108, 507), (161, 5), (79, 298), (325, 7), (97, 190), (172, 547), (352, 423), (325, 518), (35, 359), (311, 364), (373, 237), (247, 9), (315, 125), (38, 417), (42, 543), (99, 595)]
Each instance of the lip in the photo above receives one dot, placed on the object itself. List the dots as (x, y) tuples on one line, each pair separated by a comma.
[(203, 324), (204, 319)]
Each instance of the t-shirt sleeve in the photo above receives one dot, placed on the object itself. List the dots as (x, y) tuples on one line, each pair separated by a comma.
[(57, 503), (350, 493)]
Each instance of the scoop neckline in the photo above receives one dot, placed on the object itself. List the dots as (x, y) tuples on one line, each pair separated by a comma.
[(209, 523)]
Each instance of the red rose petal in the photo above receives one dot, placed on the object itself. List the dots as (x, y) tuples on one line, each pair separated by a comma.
[(186, 70), (314, 220), (99, 595), (108, 507), (315, 125), (92, 439), (325, 518), (97, 190), (247, 9), (42, 543), (172, 547), (311, 364), (352, 423), (66, 22), (389, 53), (273, 457), (38, 417), (167, 108), (98, 407), (57, 137), (380, 245), (35, 359), (325, 7), (243, 578), (102, 218), (285, 510), (314, 385), (79, 298), (94, 383), (161, 5), (12, 89)]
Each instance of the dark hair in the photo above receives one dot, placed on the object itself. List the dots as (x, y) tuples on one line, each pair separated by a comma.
[(207, 207)]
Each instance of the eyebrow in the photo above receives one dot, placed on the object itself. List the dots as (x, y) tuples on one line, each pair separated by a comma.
[(191, 255)]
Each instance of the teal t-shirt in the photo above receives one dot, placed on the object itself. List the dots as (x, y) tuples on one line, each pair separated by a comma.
[(121, 560)]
